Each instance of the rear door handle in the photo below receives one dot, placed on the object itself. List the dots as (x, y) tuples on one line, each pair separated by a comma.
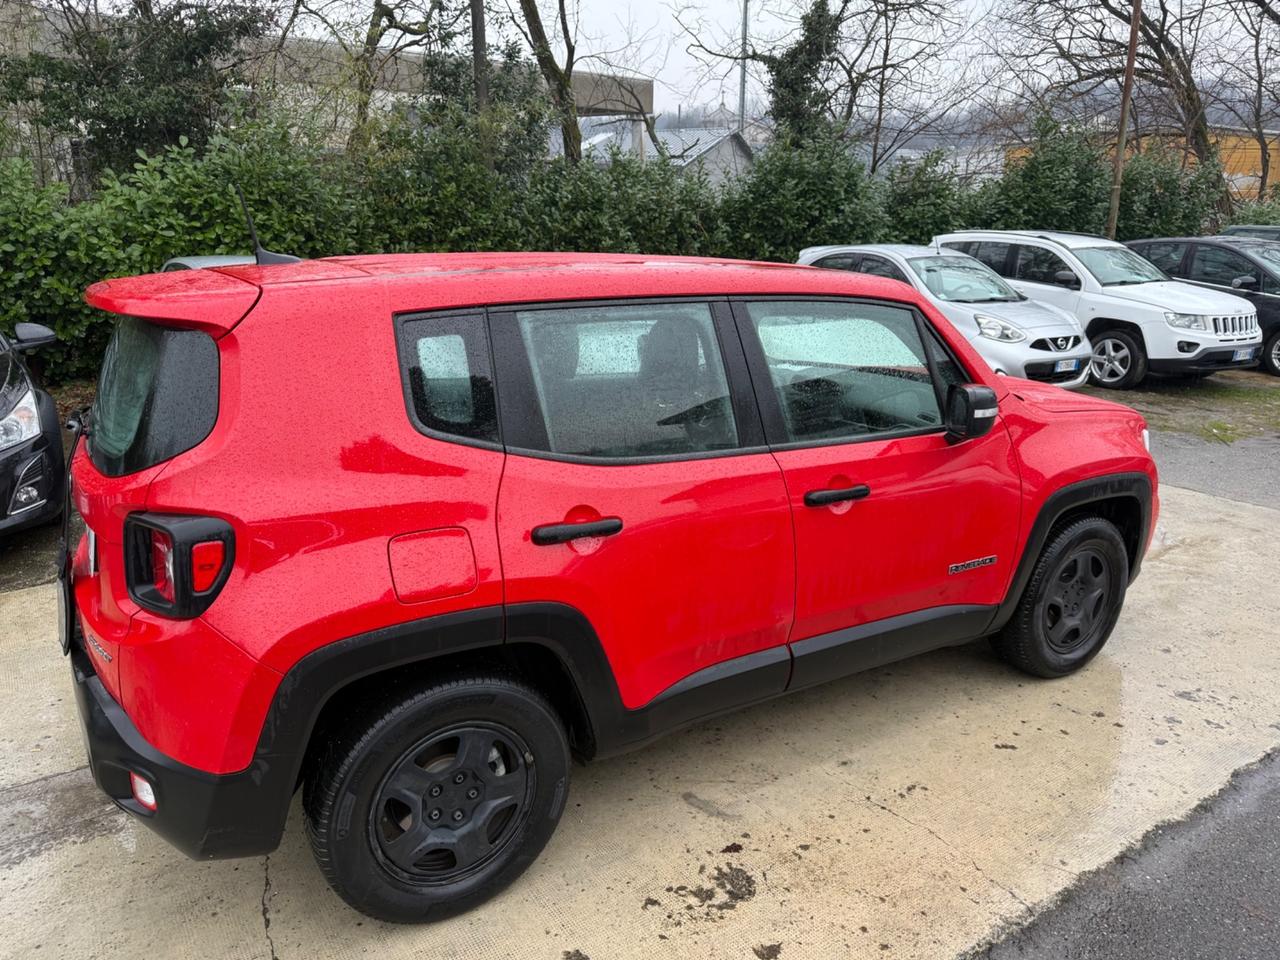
[(550, 533), (822, 498)]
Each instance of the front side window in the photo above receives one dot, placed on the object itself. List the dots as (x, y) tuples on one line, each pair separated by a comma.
[(446, 361), (880, 267), (1219, 267), (837, 261), (1167, 256), (1038, 265), (627, 381), (962, 280), (1117, 266), (845, 370)]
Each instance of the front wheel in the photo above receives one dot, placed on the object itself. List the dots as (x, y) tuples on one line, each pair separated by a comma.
[(435, 803), (1271, 354), (1071, 602), (1119, 360)]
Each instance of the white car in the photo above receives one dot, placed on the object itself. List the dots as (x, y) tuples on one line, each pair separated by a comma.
[(1137, 319), (1015, 335)]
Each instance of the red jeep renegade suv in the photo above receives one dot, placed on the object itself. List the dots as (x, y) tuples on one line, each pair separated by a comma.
[(411, 531)]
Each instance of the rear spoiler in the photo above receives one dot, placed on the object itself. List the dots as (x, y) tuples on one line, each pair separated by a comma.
[(206, 300)]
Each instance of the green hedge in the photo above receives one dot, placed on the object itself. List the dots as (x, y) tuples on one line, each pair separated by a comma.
[(461, 183)]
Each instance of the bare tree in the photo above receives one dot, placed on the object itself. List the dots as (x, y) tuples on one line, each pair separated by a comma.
[(557, 75), (1248, 88)]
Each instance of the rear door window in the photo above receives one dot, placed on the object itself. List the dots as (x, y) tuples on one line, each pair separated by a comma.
[(837, 261), (617, 381), (157, 396)]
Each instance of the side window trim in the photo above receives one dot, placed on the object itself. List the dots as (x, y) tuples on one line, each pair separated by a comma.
[(401, 320), (771, 415), (526, 436)]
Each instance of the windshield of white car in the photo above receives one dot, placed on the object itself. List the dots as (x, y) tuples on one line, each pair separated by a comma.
[(1118, 266), (963, 280)]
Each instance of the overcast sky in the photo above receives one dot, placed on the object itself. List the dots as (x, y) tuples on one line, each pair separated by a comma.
[(646, 38)]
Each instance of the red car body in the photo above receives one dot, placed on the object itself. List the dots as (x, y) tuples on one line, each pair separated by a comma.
[(354, 533)]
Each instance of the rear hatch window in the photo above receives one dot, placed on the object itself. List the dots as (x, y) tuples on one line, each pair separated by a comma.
[(157, 396)]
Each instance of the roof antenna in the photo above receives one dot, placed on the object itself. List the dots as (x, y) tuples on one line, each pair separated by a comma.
[(261, 256)]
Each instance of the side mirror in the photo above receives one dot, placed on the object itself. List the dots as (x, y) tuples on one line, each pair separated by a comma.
[(1244, 282), (29, 336), (971, 411), (1067, 279)]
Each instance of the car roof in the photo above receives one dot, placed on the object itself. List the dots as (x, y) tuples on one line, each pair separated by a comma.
[(217, 299), (1235, 241), (1069, 240)]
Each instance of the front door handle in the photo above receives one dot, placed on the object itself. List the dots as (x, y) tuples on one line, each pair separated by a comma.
[(550, 533), (823, 498)]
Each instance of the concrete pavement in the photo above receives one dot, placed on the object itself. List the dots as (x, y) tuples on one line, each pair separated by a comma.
[(914, 811)]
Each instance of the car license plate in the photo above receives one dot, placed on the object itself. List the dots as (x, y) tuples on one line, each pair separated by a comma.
[(1066, 366), (1246, 354)]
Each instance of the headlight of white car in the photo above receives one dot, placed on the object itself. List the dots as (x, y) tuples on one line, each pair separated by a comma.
[(994, 329), (22, 422), (1187, 321)]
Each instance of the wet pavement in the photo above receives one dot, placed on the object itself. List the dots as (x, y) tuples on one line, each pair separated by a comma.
[(916, 811)]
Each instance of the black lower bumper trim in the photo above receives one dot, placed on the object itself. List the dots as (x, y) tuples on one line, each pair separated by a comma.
[(1206, 361), (205, 815)]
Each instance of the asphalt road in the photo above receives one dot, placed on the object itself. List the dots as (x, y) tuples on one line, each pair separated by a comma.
[(1247, 470), (1206, 888)]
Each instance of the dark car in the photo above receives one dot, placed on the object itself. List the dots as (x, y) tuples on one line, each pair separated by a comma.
[(1256, 230), (32, 469), (1245, 265)]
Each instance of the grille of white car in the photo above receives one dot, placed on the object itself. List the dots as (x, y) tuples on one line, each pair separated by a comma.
[(1243, 326)]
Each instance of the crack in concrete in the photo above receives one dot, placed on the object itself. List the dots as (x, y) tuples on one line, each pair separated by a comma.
[(953, 848), (267, 894)]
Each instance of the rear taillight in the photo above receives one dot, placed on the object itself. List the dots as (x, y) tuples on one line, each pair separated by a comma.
[(162, 564), (175, 565)]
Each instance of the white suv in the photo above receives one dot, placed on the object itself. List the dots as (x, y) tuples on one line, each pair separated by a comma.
[(1137, 319)]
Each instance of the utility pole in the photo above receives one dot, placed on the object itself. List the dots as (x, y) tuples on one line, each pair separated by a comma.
[(1126, 94), (479, 55), (742, 74)]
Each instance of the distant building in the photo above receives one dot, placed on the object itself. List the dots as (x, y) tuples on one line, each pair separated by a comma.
[(720, 153)]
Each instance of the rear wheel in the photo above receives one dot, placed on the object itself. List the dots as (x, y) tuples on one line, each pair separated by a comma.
[(1271, 354), (1071, 602), (435, 803), (1119, 360)]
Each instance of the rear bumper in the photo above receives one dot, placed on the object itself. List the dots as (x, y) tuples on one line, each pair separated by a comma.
[(206, 816), (1207, 360)]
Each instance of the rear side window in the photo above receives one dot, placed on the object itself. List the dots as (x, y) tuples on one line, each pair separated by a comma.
[(157, 396), (622, 381), (449, 376), (838, 261)]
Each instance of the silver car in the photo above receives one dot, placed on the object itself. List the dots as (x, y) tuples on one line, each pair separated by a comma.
[(1016, 336)]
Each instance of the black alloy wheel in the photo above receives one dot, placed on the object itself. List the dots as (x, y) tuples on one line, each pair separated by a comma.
[(427, 802), (1071, 602), (453, 802)]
